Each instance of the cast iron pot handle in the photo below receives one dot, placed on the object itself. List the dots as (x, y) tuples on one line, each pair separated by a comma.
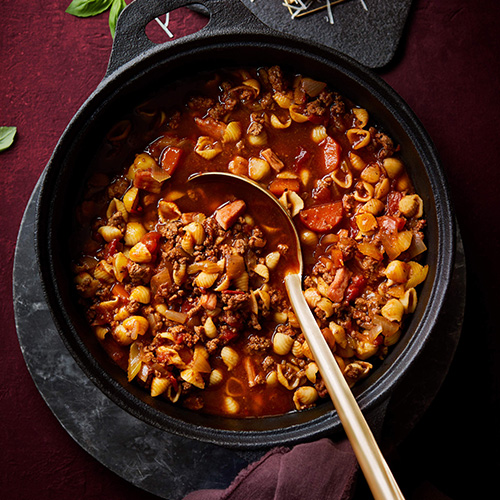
[(226, 16)]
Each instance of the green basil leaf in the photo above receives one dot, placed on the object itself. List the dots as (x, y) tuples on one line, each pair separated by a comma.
[(7, 135), (88, 8), (116, 7)]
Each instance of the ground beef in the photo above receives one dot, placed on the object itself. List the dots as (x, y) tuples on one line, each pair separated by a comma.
[(235, 301), (383, 143), (139, 273), (257, 239), (256, 344), (276, 79)]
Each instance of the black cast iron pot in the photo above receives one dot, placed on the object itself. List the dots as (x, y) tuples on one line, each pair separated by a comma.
[(233, 37)]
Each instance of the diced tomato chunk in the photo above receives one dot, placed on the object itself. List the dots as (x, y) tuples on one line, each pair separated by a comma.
[(331, 155), (355, 289), (279, 186), (144, 180), (393, 199), (111, 248), (170, 158), (322, 218), (151, 241)]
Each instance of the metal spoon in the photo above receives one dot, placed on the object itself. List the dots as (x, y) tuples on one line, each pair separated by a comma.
[(375, 469)]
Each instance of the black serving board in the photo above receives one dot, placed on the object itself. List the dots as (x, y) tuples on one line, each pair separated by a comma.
[(369, 36)]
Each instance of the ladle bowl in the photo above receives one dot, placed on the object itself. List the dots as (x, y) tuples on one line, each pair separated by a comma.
[(370, 458)]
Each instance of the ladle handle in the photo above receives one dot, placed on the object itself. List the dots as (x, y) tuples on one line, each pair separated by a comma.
[(375, 469)]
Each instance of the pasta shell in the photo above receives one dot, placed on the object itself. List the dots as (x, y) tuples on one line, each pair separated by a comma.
[(210, 328), (258, 168), (133, 233), (110, 233), (371, 173), (356, 161), (104, 272), (257, 140), (263, 271), (305, 396), (282, 343), (116, 205), (363, 191), (397, 271), (278, 124), (409, 300), (280, 317), (193, 377), (195, 229), (232, 132), (373, 206), (207, 148), (318, 134), (230, 357), (393, 167), (282, 100), (393, 310), (231, 406), (168, 210), (358, 137), (120, 131), (100, 332), (120, 263), (361, 117), (272, 379), (382, 188), (205, 280), (312, 371), (254, 84), (141, 294), (134, 361), (272, 260), (296, 115), (342, 176), (290, 385), (140, 253), (308, 238), (200, 362), (159, 385), (417, 274), (179, 274), (216, 377), (187, 243), (411, 206), (297, 349), (241, 282), (131, 199), (234, 387), (326, 306)]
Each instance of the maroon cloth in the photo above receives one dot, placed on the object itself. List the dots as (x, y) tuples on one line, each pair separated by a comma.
[(323, 469), (447, 69)]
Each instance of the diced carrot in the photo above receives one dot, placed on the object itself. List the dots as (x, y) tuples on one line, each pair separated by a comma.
[(331, 155), (279, 186), (170, 158), (228, 214), (322, 218)]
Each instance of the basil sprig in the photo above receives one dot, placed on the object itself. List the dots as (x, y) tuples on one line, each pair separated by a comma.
[(89, 8), (7, 135)]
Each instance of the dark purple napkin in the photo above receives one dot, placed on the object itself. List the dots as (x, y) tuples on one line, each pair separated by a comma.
[(322, 469)]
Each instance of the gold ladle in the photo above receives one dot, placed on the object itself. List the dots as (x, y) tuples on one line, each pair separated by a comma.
[(375, 469)]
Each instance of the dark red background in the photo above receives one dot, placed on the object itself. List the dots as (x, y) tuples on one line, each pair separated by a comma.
[(447, 69)]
